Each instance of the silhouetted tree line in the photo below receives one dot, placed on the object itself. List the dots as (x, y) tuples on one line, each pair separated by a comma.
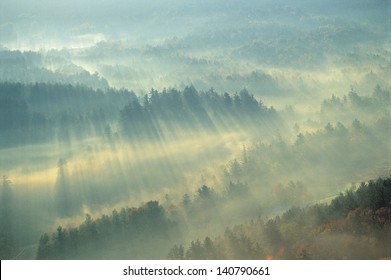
[(189, 109), (127, 230), (133, 228), (31, 113), (380, 99), (355, 225)]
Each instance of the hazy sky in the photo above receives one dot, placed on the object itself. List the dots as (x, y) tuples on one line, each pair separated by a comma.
[(36, 24)]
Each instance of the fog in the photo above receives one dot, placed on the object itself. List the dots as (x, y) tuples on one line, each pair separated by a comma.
[(132, 130)]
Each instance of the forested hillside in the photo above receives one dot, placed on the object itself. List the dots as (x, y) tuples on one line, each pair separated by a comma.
[(354, 225), (195, 129)]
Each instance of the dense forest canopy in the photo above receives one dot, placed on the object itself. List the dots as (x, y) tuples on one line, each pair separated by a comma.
[(195, 129), (355, 225)]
